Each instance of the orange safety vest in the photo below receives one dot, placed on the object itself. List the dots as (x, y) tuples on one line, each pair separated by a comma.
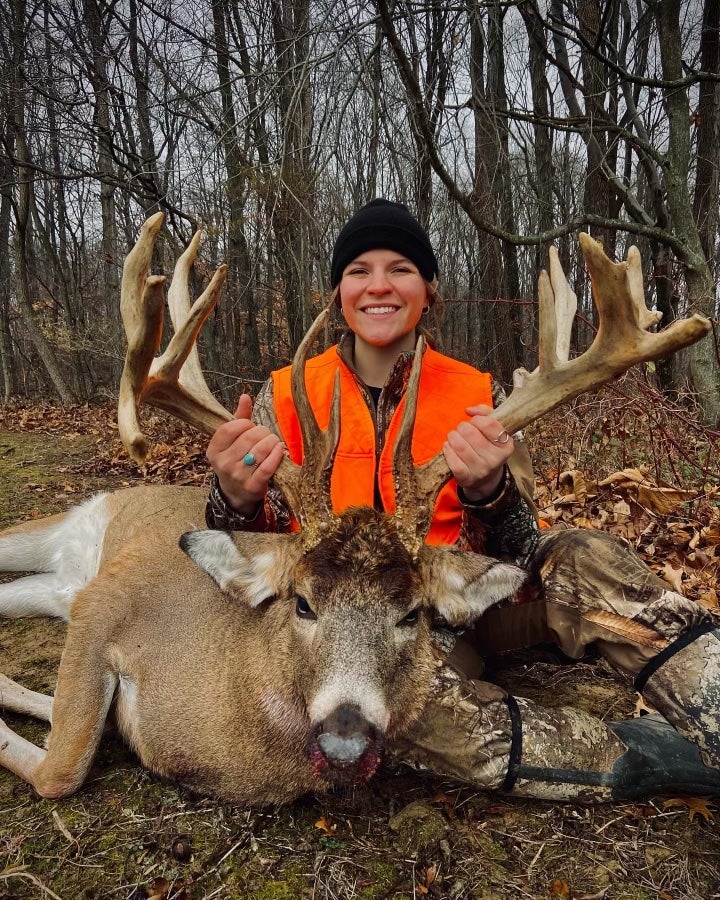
[(447, 387)]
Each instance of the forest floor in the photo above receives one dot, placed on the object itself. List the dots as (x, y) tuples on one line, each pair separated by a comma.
[(648, 474)]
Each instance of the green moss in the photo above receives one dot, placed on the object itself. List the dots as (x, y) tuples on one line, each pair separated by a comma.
[(292, 886), (383, 876), (35, 459), (419, 827)]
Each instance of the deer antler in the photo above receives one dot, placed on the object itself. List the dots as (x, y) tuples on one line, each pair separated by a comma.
[(174, 381), (307, 487), (621, 341)]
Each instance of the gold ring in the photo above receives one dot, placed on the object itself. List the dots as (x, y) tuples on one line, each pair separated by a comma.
[(502, 438)]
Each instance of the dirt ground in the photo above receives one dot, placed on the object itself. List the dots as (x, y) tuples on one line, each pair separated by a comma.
[(126, 834)]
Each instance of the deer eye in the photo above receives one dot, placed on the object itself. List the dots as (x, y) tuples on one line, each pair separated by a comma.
[(303, 609), (410, 618)]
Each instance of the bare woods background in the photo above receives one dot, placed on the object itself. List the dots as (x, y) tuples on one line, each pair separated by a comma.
[(505, 125)]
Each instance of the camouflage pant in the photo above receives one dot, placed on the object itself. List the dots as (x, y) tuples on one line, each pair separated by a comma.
[(584, 588)]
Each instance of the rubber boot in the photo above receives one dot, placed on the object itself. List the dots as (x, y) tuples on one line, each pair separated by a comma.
[(683, 683), (563, 753)]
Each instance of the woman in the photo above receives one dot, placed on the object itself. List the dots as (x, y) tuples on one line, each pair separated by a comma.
[(584, 587)]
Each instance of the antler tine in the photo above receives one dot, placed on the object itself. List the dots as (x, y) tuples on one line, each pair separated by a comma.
[(621, 341), (416, 487), (565, 308), (187, 320), (307, 488), (173, 382)]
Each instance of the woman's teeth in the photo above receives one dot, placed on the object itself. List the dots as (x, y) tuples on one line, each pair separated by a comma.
[(379, 310)]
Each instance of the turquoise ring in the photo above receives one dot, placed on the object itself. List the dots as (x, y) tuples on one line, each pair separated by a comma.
[(249, 459)]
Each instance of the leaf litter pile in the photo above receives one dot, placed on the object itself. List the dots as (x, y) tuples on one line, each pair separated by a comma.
[(624, 460)]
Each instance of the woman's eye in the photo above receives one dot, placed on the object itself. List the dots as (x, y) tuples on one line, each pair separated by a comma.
[(303, 609), (410, 618)]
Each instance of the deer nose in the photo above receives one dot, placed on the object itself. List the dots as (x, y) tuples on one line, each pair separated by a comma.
[(346, 736)]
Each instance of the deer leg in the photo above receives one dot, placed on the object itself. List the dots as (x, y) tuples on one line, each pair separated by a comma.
[(30, 547), (84, 693), (36, 595), (16, 698), (18, 755), (65, 551)]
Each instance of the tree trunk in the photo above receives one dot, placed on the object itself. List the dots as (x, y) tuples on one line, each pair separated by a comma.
[(22, 214), (704, 367), (238, 255), (290, 22), (489, 182), (6, 365), (507, 320), (707, 173), (109, 281)]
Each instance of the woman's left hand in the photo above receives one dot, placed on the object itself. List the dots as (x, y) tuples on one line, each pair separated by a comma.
[(477, 451)]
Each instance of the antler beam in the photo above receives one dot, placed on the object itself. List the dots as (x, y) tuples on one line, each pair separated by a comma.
[(306, 488)]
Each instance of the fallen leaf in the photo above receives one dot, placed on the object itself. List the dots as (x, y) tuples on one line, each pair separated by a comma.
[(560, 888), (696, 806), (158, 890), (326, 825), (632, 475), (673, 577), (428, 879), (663, 501), (621, 510)]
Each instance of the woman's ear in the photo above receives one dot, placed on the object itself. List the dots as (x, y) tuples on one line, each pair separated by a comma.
[(432, 287)]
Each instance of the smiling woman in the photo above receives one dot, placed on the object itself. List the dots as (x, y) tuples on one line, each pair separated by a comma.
[(384, 275), (385, 272), (382, 296)]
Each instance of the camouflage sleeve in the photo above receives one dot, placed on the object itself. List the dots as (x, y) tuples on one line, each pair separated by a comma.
[(271, 515)]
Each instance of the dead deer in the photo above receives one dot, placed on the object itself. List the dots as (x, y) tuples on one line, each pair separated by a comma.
[(258, 667)]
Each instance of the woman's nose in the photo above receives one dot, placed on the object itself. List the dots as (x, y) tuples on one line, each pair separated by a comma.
[(378, 283)]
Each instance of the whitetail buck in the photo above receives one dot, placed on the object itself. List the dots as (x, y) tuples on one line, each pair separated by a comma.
[(258, 667)]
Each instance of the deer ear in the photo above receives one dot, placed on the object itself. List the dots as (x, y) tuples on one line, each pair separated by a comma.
[(463, 585), (250, 573)]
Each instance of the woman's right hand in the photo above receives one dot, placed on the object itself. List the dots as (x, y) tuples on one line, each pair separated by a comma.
[(244, 486)]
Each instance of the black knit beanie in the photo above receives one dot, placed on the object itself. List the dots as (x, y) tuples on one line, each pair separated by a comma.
[(383, 225)]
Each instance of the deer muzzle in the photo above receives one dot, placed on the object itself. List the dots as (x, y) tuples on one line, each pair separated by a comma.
[(345, 746)]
